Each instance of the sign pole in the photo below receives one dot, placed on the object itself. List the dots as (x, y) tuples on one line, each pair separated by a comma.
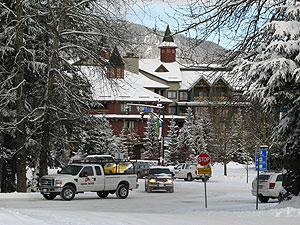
[(205, 191), (204, 160), (257, 180)]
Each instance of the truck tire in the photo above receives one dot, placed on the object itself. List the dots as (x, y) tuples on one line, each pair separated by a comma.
[(171, 189), (189, 177), (122, 191), (49, 196), (263, 199), (67, 193), (102, 194), (148, 189), (280, 197)]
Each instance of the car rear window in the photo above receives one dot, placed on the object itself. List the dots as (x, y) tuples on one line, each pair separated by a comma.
[(264, 177), (279, 177)]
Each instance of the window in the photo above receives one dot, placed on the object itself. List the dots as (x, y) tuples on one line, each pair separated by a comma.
[(88, 170), (172, 110), (119, 72), (221, 92), (172, 94), (124, 106), (183, 95), (161, 68), (98, 170), (129, 124), (203, 92), (140, 108), (279, 178), (111, 72)]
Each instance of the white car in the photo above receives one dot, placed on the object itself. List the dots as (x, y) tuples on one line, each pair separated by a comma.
[(189, 172), (270, 185)]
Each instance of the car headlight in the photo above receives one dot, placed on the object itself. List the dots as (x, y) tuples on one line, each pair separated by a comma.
[(170, 181), (58, 183), (152, 180)]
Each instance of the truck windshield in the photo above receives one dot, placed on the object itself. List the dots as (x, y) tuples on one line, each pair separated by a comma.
[(71, 169), (159, 171)]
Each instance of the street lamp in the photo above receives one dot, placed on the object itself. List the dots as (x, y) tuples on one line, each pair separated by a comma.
[(161, 108)]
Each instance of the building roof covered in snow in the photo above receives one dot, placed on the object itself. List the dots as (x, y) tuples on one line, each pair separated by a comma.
[(132, 88)]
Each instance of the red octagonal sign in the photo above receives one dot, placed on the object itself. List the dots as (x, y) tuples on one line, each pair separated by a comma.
[(204, 159)]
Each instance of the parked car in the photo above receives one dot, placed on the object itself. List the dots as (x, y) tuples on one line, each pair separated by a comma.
[(159, 178), (270, 185), (110, 168), (139, 169), (189, 172)]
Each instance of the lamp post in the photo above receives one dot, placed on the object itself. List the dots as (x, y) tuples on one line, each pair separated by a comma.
[(161, 108)]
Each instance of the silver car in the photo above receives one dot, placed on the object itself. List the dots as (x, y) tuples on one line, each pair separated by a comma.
[(139, 169), (159, 178)]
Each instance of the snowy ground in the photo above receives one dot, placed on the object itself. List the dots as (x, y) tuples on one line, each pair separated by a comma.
[(229, 202)]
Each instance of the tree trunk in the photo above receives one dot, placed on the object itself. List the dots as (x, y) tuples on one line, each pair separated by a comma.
[(45, 146), (1, 169), (225, 167), (45, 150), (291, 179), (1, 154), (20, 133)]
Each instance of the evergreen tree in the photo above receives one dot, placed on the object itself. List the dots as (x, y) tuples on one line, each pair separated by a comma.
[(186, 138), (151, 138), (199, 143), (273, 72), (171, 154), (44, 97)]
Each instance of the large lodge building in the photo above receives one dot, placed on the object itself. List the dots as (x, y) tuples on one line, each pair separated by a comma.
[(163, 81)]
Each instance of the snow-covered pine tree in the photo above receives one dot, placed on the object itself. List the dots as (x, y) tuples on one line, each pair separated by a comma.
[(274, 78), (186, 138), (55, 34), (199, 143), (151, 138), (99, 138), (171, 154)]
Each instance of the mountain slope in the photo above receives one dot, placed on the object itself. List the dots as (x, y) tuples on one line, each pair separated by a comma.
[(144, 42)]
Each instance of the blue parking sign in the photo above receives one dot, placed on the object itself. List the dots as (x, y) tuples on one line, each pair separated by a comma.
[(262, 157)]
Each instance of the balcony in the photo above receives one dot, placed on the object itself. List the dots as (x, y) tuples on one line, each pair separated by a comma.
[(200, 98)]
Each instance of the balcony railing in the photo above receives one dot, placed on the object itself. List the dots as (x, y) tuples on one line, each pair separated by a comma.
[(200, 98)]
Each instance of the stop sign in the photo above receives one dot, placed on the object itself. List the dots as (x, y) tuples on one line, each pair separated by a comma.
[(204, 159)]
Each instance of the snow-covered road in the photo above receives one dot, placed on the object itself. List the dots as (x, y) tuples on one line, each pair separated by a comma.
[(229, 202)]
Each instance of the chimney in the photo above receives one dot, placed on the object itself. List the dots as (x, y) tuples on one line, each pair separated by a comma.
[(131, 63), (104, 51)]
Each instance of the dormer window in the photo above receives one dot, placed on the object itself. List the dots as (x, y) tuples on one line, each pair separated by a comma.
[(161, 68)]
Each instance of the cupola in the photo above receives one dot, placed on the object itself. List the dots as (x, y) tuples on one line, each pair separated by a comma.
[(168, 48), (115, 65)]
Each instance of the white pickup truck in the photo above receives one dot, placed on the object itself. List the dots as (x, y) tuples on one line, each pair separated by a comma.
[(189, 172), (86, 177)]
